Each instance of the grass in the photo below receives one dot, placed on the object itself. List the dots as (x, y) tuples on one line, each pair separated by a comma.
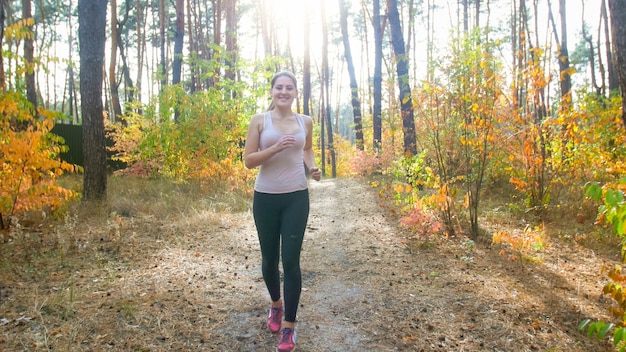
[(56, 272)]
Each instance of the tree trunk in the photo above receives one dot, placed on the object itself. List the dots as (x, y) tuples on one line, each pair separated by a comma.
[(565, 80), (91, 32), (217, 39), (230, 34), (73, 103), (114, 86), (162, 39), (591, 56), (178, 42), (610, 63), (141, 45), (465, 17), (354, 89), (306, 66), (193, 50), (378, 78), (3, 83), (402, 70), (326, 113), (29, 56), (618, 30)]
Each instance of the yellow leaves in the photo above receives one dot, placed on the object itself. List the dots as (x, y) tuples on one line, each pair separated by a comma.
[(30, 159), (519, 241), (402, 188), (20, 30)]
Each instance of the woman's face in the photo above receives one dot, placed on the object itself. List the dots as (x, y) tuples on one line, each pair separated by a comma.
[(284, 92)]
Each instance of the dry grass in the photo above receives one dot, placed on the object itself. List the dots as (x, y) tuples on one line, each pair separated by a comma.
[(164, 267)]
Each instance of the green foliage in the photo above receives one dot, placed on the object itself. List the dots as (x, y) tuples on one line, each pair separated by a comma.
[(184, 137), (413, 170), (460, 119), (612, 211), (596, 328)]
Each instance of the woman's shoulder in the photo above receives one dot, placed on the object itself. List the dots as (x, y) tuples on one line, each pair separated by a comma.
[(306, 118), (257, 122), (258, 118)]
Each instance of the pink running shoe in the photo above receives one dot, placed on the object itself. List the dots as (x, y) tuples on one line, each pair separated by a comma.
[(287, 340), (275, 319)]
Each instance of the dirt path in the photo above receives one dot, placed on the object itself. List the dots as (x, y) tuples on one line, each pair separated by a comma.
[(193, 283), (366, 290)]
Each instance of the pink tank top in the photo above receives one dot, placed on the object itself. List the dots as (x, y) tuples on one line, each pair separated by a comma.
[(283, 172)]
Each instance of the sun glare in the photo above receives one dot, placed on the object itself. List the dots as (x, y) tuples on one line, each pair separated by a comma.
[(289, 18)]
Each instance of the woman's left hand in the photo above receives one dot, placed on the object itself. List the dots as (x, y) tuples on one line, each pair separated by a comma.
[(316, 173)]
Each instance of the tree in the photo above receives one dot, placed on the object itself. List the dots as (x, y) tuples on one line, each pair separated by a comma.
[(354, 88), (29, 55), (231, 39), (610, 63), (402, 71), (113, 85), (306, 63), (162, 41), (325, 110), (178, 42), (565, 80), (618, 29), (378, 77), (91, 32), (2, 18)]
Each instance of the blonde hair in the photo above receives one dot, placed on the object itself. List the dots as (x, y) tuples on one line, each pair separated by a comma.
[(278, 75)]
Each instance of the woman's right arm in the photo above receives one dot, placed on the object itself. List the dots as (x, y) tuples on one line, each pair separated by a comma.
[(253, 156)]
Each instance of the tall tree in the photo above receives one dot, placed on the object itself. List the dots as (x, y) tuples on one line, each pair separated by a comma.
[(378, 77), (618, 30), (354, 88), (162, 40), (91, 39), (610, 63), (71, 81), (3, 15), (306, 65), (230, 38), (29, 57), (178, 42), (113, 85), (325, 108), (565, 80), (402, 71)]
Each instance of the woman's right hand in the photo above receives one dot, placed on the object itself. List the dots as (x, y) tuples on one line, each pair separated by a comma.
[(285, 142)]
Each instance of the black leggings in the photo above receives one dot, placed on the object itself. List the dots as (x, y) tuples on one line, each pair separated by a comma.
[(282, 217)]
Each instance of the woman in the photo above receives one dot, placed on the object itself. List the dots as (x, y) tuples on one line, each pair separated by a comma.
[(279, 142)]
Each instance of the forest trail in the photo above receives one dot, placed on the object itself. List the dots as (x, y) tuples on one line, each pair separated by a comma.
[(193, 283), (365, 289)]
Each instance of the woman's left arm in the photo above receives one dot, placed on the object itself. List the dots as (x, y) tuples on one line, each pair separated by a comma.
[(309, 155)]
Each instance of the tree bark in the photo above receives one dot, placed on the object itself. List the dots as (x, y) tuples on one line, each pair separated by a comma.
[(378, 78), (618, 30), (114, 86), (565, 78), (230, 39), (178, 42), (354, 88), (29, 57), (141, 45), (610, 63), (326, 112), (162, 39), (91, 32), (306, 66), (402, 71), (3, 15)]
